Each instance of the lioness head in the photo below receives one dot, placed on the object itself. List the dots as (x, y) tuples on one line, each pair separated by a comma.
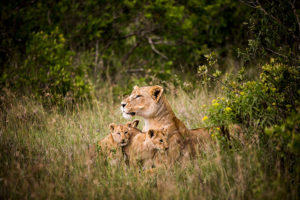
[(143, 101), (122, 133), (158, 139)]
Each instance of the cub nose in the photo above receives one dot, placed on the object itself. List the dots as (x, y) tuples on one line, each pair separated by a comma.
[(123, 104), (166, 148), (123, 141)]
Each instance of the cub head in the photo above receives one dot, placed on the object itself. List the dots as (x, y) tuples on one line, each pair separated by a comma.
[(159, 139), (143, 101), (122, 133)]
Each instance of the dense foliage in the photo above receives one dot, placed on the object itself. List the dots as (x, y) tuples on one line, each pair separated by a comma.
[(48, 70), (155, 38), (134, 37)]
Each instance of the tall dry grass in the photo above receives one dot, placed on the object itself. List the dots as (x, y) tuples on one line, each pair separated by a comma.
[(42, 154)]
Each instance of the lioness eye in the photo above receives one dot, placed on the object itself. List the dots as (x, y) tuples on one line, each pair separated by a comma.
[(137, 96), (126, 132), (119, 133), (161, 141)]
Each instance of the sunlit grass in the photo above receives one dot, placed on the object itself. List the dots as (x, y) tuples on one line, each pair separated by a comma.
[(43, 155)]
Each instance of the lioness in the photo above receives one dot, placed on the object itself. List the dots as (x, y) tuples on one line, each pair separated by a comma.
[(150, 103), (143, 147)]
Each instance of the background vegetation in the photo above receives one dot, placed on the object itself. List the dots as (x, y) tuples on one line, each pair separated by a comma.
[(66, 65)]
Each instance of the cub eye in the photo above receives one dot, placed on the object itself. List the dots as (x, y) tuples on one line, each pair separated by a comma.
[(119, 133), (138, 96), (126, 132), (161, 140)]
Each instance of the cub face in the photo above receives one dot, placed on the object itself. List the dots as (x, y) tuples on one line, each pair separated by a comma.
[(158, 139), (122, 133), (143, 101)]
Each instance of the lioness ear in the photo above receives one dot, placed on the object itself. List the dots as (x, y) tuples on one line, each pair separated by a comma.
[(151, 133), (112, 126), (156, 92), (135, 87)]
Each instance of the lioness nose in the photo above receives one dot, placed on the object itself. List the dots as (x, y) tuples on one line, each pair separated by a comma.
[(166, 148), (123, 140), (123, 104)]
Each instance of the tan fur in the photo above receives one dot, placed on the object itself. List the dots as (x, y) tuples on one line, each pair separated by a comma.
[(144, 146), (197, 141), (108, 146), (150, 103), (119, 136), (201, 136)]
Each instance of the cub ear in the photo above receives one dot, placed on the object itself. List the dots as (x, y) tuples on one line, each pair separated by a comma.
[(151, 133), (156, 92), (112, 126), (133, 124)]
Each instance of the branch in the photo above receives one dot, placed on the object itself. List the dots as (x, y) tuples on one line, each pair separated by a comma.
[(159, 40), (257, 5), (141, 32), (274, 18), (279, 54), (139, 70), (124, 59), (253, 5), (165, 42), (48, 17), (155, 50), (228, 86), (270, 15)]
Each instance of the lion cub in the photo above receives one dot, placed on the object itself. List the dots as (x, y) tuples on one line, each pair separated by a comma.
[(118, 138), (143, 146)]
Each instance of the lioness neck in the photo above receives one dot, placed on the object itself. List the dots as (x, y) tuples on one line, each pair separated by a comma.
[(165, 118)]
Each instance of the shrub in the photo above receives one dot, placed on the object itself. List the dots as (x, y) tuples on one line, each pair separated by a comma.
[(285, 137), (48, 71), (264, 102), (268, 108)]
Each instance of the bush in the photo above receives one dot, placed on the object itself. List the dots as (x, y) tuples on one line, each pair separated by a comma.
[(264, 102), (285, 137), (269, 110), (48, 71)]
